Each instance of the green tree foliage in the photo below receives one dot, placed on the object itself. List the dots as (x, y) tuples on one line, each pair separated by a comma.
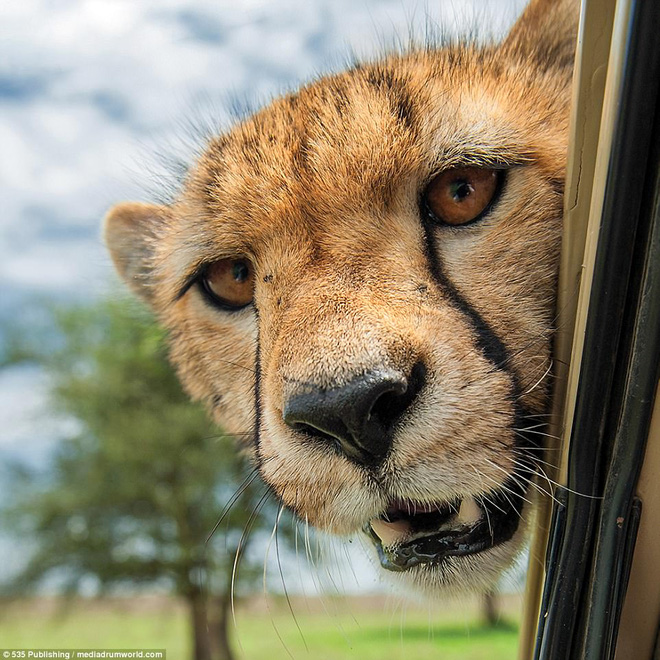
[(133, 496)]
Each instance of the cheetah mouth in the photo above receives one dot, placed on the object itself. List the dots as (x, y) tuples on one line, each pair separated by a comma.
[(411, 533)]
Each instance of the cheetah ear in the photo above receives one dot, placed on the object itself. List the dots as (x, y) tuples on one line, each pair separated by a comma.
[(130, 230), (546, 33)]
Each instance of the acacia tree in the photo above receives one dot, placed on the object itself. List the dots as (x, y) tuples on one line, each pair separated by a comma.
[(132, 497)]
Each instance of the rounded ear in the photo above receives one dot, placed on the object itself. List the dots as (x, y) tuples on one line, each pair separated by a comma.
[(546, 33), (130, 230)]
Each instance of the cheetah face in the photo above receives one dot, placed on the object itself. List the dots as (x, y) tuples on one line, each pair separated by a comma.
[(359, 282)]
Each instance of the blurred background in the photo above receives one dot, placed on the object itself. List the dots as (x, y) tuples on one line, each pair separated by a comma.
[(111, 483)]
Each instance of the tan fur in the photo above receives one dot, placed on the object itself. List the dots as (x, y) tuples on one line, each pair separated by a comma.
[(320, 191)]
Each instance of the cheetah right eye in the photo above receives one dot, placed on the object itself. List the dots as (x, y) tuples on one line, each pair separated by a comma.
[(462, 195), (228, 283)]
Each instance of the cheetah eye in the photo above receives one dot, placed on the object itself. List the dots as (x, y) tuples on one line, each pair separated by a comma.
[(229, 283), (461, 195)]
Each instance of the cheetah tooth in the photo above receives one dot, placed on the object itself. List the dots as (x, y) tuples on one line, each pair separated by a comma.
[(469, 511), (390, 532)]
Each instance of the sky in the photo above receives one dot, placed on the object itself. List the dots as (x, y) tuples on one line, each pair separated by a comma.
[(101, 99)]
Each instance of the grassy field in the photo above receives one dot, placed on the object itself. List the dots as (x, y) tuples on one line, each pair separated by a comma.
[(335, 630)]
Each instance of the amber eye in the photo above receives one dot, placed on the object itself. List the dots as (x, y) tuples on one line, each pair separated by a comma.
[(229, 283), (461, 195)]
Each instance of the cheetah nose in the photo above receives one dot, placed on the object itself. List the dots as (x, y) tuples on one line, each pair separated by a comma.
[(356, 418)]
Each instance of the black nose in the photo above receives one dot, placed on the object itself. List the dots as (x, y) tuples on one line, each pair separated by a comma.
[(357, 417)]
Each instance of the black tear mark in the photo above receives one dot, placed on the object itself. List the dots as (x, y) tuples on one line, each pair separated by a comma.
[(490, 345), (257, 394), (525, 428)]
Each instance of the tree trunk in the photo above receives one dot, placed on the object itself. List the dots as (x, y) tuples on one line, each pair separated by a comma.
[(491, 610), (201, 641), (219, 627)]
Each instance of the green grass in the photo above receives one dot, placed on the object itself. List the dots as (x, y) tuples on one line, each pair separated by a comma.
[(367, 633), (375, 637), (96, 624)]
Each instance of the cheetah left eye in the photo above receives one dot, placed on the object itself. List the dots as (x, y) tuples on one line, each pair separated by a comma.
[(229, 283), (461, 195)]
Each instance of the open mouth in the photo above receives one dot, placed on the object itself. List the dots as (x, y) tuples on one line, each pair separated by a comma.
[(411, 533)]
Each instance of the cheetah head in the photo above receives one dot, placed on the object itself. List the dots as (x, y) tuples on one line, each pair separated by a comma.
[(359, 282)]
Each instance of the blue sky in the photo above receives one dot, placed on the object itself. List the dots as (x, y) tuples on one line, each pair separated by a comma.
[(97, 100), (90, 90)]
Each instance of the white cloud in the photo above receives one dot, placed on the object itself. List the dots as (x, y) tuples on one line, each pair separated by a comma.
[(86, 84), (29, 428)]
